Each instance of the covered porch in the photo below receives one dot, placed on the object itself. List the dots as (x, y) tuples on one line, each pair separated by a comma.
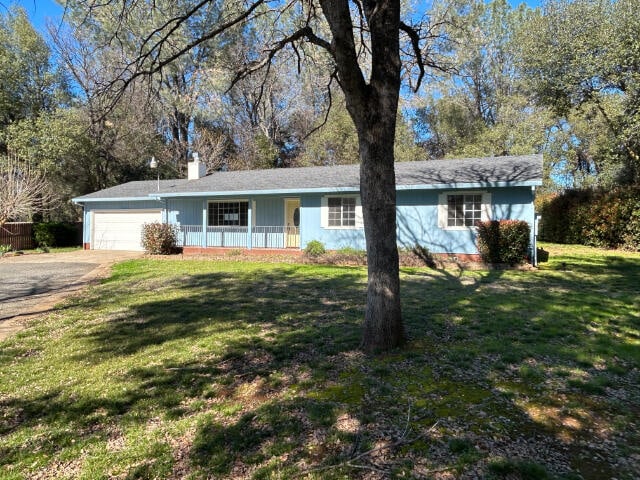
[(265, 222), (249, 237)]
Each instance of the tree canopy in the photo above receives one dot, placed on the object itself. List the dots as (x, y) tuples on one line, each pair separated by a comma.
[(560, 79)]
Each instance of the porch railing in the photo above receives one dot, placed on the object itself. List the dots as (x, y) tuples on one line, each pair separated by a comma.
[(238, 237)]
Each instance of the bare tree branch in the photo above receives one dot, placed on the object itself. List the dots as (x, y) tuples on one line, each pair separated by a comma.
[(136, 68), (414, 36), (305, 32), (23, 190), (332, 77)]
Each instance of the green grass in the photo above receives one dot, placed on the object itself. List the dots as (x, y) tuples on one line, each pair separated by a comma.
[(212, 369), (52, 250)]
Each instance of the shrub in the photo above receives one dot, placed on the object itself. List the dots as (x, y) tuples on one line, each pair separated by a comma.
[(57, 234), (44, 235), (159, 238), (5, 249), (597, 218), (315, 248), (631, 237), (503, 241)]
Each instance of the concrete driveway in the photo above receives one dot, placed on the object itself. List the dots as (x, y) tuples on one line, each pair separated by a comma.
[(31, 284)]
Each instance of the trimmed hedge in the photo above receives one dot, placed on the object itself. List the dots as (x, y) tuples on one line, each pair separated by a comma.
[(606, 219), (159, 238), (57, 234), (503, 241)]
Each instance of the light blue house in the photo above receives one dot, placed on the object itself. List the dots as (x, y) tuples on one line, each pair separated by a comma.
[(438, 204)]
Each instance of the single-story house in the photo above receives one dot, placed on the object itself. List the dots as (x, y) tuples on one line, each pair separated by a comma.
[(438, 203)]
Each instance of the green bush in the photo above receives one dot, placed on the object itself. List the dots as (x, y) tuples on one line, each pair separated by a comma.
[(598, 218), (315, 248), (631, 236), (159, 238), (44, 234), (503, 241), (57, 234)]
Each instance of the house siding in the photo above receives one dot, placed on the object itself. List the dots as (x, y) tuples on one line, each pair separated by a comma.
[(311, 227), (269, 211), (184, 211), (516, 203), (417, 220)]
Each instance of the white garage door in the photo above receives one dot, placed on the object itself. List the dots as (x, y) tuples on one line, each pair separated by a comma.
[(121, 229)]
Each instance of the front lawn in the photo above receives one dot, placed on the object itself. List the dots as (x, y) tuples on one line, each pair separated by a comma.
[(214, 369)]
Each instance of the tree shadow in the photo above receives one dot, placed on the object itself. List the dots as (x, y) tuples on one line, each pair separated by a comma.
[(283, 301), (266, 362)]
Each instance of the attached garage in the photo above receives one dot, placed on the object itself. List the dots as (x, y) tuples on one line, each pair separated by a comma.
[(120, 229)]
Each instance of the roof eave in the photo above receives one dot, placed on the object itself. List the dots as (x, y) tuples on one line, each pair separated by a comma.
[(298, 191), (295, 191), (237, 193), (81, 200), (444, 186)]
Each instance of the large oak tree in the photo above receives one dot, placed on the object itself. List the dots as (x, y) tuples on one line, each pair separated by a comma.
[(363, 40)]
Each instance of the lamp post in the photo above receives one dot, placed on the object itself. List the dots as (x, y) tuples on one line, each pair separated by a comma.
[(154, 164)]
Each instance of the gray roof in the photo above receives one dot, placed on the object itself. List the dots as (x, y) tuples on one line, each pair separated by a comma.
[(142, 189), (467, 172)]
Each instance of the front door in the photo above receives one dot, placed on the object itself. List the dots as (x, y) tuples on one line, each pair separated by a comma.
[(292, 222)]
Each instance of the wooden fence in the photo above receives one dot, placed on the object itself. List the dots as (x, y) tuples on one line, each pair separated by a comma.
[(19, 235)]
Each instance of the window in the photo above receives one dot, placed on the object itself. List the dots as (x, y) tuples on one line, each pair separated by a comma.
[(342, 211), (228, 213), (462, 210)]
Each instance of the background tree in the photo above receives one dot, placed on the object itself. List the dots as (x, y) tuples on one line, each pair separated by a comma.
[(335, 141), (485, 108), (30, 84), (23, 190), (257, 119), (581, 59)]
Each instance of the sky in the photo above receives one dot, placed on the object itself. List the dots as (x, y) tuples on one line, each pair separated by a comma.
[(40, 10)]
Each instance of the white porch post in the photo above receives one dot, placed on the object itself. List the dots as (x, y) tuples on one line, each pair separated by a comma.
[(250, 224), (203, 240), (164, 214)]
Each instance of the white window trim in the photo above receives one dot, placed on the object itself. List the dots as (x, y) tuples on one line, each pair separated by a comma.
[(324, 213), (485, 214)]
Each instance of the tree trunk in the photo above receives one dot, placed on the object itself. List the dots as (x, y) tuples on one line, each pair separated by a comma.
[(383, 327), (373, 107)]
